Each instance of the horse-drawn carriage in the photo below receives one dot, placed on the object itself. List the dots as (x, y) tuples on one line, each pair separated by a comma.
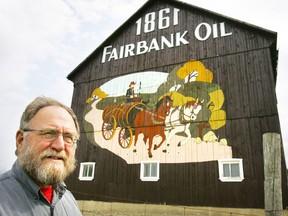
[(121, 115), (135, 118)]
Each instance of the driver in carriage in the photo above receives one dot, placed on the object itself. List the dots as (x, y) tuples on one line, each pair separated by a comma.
[(131, 96)]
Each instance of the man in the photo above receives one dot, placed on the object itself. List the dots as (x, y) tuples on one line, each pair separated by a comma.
[(130, 95), (45, 149)]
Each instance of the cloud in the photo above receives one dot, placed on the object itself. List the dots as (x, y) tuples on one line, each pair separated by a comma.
[(43, 41)]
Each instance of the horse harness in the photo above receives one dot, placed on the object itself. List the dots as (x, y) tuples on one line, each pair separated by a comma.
[(156, 121), (182, 120)]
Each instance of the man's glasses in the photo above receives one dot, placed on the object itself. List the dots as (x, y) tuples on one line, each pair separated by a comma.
[(52, 135)]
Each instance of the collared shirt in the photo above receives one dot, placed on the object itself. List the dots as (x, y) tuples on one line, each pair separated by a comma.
[(19, 195)]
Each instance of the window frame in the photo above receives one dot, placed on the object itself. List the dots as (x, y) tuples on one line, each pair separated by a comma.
[(86, 178), (149, 178), (222, 162)]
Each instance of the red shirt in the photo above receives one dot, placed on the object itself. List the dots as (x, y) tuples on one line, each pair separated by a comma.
[(48, 193)]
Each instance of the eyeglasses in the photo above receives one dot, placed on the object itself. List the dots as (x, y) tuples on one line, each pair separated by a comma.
[(51, 135)]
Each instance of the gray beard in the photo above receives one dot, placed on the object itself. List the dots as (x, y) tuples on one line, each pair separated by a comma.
[(45, 172)]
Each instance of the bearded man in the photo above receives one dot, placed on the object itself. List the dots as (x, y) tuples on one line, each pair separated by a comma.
[(45, 147)]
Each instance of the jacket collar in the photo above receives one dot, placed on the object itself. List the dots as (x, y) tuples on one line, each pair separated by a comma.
[(33, 188)]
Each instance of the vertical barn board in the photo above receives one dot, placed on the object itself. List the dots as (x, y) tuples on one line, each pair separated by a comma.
[(242, 67), (201, 175), (272, 170)]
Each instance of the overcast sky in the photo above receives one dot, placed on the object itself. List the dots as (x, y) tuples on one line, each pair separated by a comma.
[(42, 41)]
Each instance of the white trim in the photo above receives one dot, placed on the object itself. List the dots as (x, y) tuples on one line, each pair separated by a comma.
[(229, 162), (81, 172), (155, 177)]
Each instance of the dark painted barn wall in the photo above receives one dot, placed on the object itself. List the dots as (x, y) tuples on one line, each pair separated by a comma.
[(242, 66)]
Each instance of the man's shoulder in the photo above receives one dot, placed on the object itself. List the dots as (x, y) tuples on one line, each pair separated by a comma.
[(10, 174), (8, 185), (8, 181), (9, 178), (70, 203), (5, 176)]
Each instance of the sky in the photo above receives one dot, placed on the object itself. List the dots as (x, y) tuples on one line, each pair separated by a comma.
[(42, 41)]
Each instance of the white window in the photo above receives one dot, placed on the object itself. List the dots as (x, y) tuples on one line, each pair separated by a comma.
[(231, 170), (87, 171), (149, 170)]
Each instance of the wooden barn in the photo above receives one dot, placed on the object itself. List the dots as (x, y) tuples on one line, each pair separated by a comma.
[(174, 107)]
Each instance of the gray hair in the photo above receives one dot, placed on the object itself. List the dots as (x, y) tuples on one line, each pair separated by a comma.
[(41, 102)]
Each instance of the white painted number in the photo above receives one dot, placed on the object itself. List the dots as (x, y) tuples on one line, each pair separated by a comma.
[(149, 25), (163, 20)]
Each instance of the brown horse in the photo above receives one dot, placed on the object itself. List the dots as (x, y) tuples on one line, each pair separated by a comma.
[(152, 123)]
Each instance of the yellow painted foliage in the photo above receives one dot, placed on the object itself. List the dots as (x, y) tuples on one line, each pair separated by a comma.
[(88, 100), (204, 75), (217, 119), (97, 92), (217, 99), (179, 99)]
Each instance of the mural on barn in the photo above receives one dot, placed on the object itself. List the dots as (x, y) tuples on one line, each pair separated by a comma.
[(171, 117)]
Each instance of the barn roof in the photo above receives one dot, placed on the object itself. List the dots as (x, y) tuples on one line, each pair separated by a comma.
[(184, 6)]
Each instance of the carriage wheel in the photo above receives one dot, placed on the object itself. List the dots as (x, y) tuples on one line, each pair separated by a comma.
[(125, 137), (109, 127)]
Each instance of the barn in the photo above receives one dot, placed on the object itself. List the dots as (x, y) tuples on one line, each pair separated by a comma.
[(174, 107)]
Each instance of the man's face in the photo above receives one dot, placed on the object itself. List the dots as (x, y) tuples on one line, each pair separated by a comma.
[(47, 162)]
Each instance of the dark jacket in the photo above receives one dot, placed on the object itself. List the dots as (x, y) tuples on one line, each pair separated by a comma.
[(129, 93), (19, 195)]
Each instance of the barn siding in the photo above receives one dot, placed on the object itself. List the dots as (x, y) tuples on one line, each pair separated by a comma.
[(241, 65)]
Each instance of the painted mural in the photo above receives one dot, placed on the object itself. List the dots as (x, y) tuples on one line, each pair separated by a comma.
[(171, 117)]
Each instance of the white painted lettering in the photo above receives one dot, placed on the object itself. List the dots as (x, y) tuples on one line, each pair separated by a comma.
[(215, 30), (113, 54), (207, 29), (223, 31), (154, 45), (129, 50), (121, 53), (141, 47), (105, 52), (180, 38), (202, 32), (164, 41)]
